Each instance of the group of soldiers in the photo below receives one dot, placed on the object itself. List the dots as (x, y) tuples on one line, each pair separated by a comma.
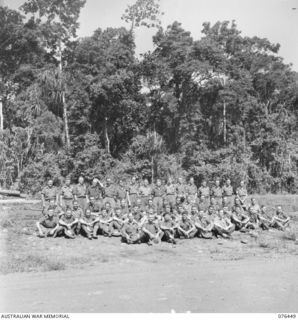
[(141, 212)]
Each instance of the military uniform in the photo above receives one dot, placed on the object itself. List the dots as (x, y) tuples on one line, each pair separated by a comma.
[(192, 191), (130, 232), (205, 191), (80, 192), (145, 194), (254, 212), (186, 226), (77, 212), (242, 194), (228, 192), (68, 220), (67, 196), (133, 192), (171, 194), (121, 193), (87, 229), (94, 207), (181, 190), (47, 224), (217, 194), (49, 193), (110, 195), (158, 194)]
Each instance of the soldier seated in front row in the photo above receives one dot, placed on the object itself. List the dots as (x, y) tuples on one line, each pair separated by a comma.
[(265, 219), (131, 232), (222, 225), (204, 225), (280, 220), (186, 229), (168, 226), (67, 223), (89, 224), (116, 224), (48, 225), (152, 231)]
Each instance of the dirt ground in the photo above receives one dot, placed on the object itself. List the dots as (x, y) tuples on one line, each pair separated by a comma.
[(250, 273)]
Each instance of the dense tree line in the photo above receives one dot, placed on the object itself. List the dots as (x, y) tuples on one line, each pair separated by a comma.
[(225, 105)]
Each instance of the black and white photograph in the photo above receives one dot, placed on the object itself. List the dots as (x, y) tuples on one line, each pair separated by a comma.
[(148, 158)]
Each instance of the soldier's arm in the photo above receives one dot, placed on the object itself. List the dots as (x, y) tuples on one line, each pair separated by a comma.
[(64, 224), (43, 200), (193, 227), (57, 197), (148, 232), (74, 222)]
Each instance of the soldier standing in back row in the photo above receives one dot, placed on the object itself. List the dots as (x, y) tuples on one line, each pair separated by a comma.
[(241, 192), (158, 193), (49, 193), (171, 192), (67, 194), (216, 192), (109, 193), (227, 191), (121, 193), (145, 192), (181, 189), (133, 192), (95, 191), (80, 192), (204, 194), (192, 190)]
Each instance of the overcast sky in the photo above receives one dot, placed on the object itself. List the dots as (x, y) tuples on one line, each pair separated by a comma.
[(272, 19)]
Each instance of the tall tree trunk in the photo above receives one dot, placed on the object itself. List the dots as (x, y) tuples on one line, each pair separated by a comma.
[(224, 123), (1, 115), (107, 139), (64, 105), (65, 118), (152, 169)]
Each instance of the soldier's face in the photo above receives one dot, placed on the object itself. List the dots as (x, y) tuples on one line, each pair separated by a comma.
[(228, 182), (217, 183), (158, 182), (75, 205), (81, 180), (68, 213), (50, 183), (146, 182), (50, 213), (167, 217), (191, 180), (67, 182), (92, 200), (94, 182), (204, 183), (133, 180), (88, 213)]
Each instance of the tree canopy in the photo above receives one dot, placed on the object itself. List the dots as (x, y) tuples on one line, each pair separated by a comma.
[(224, 105)]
